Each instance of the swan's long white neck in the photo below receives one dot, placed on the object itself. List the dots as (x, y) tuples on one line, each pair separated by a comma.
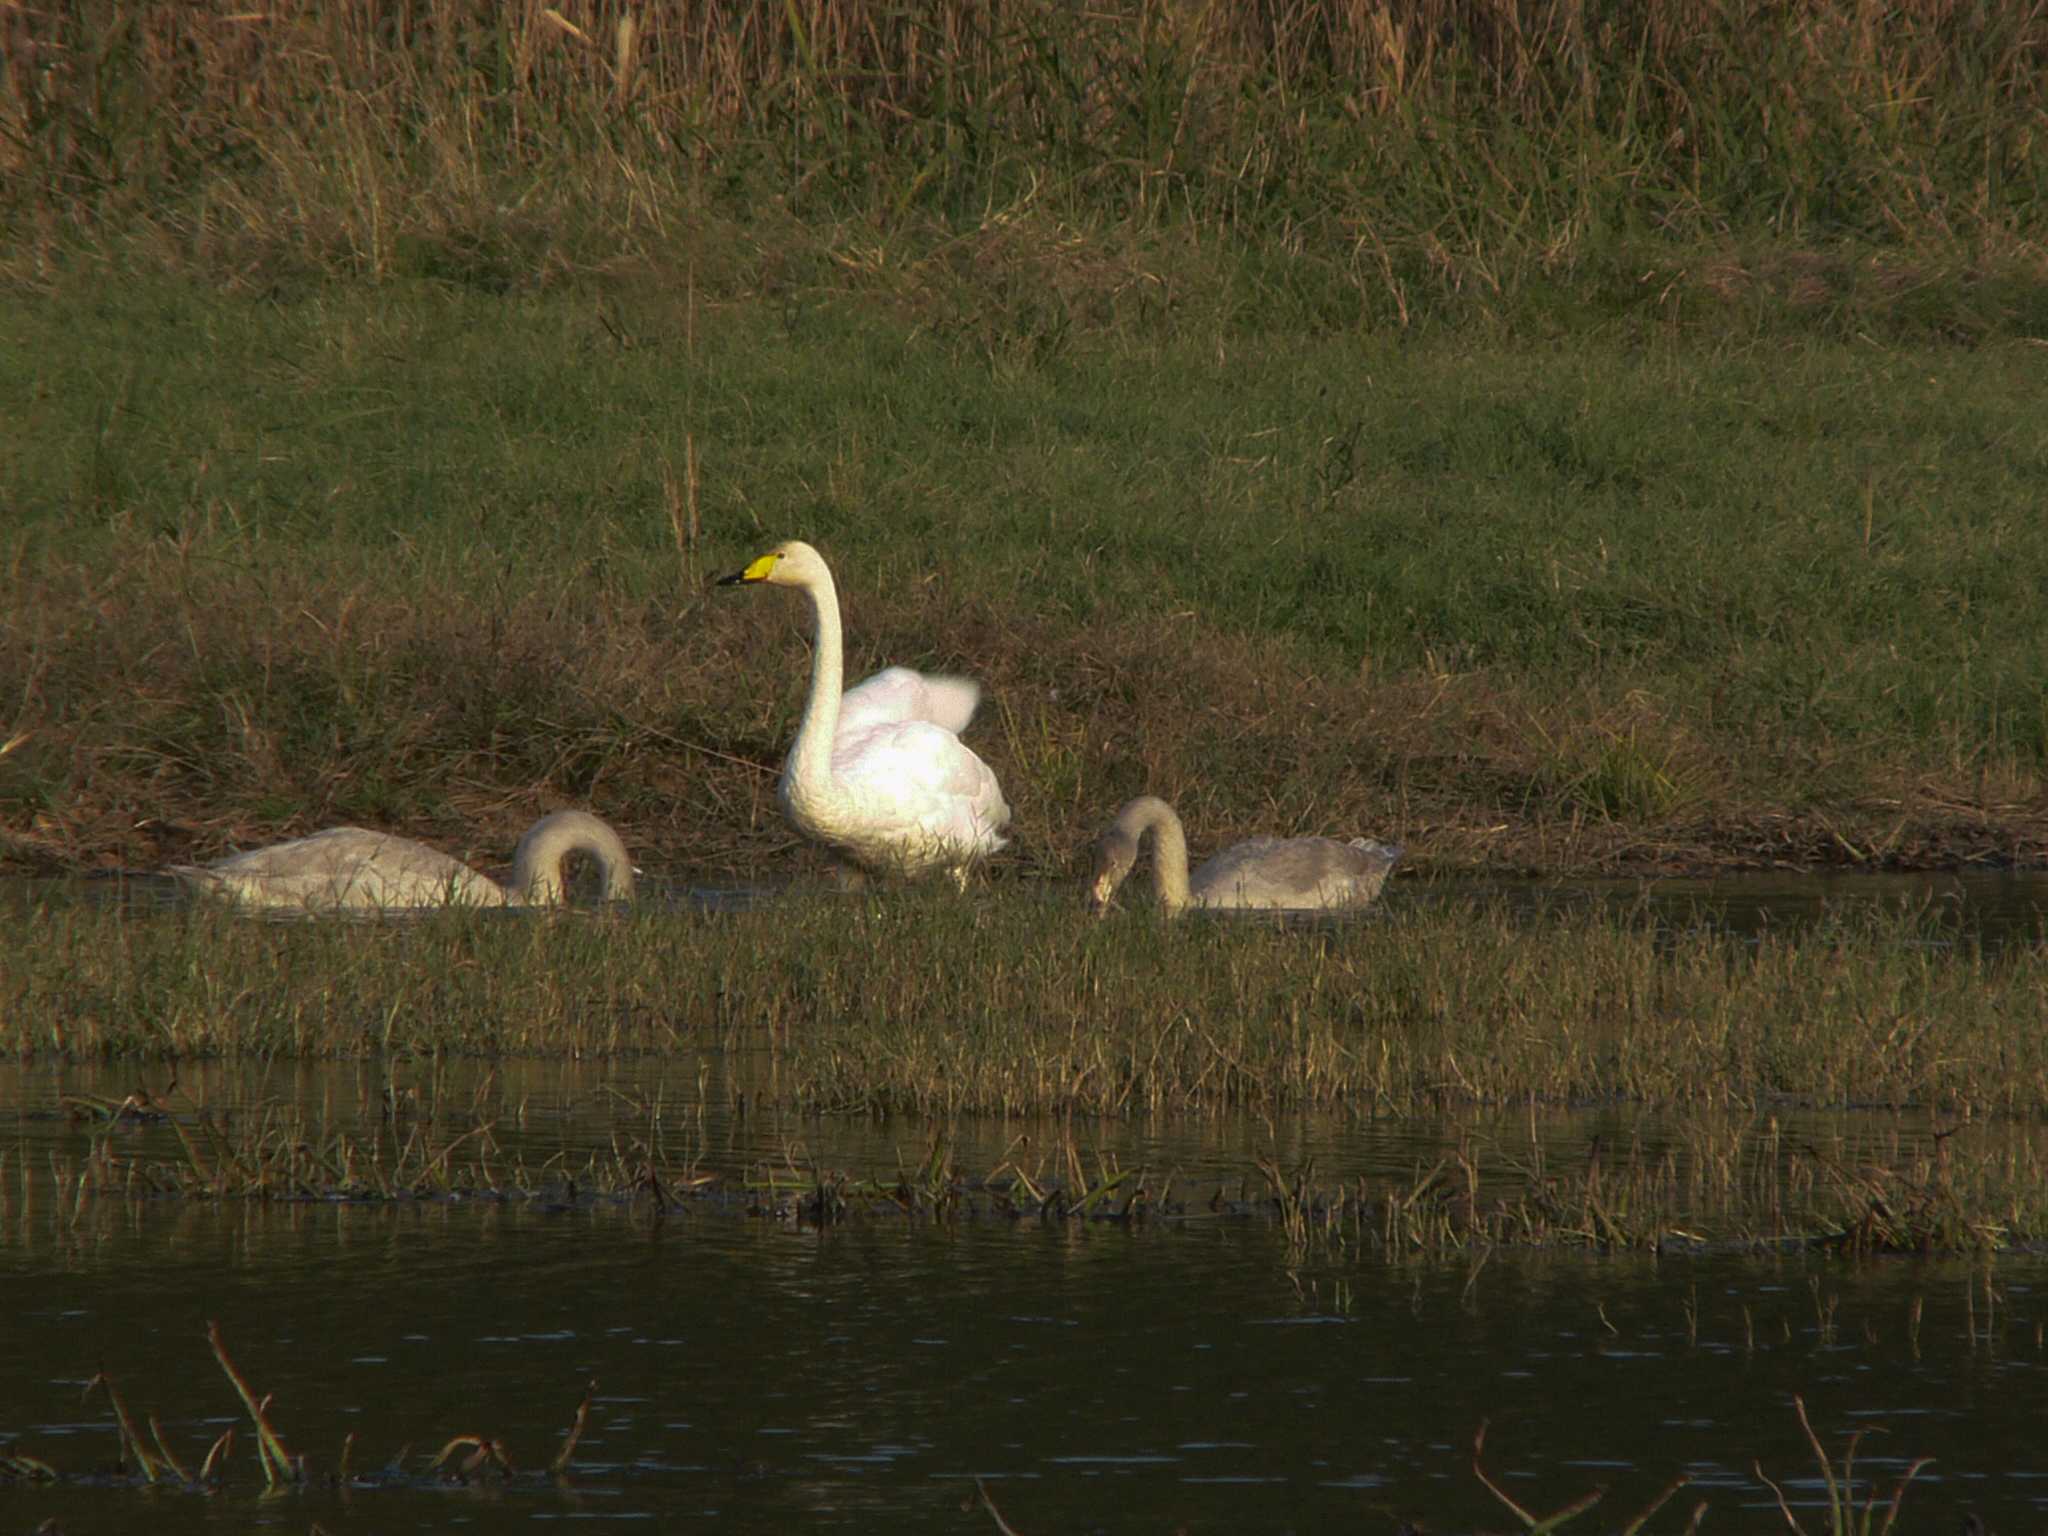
[(1148, 813), (809, 769)]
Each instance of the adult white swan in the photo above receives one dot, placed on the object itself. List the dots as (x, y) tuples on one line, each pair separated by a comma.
[(1275, 873), (878, 774), (351, 868)]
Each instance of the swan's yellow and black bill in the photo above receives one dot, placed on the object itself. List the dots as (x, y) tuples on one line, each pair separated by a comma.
[(758, 571)]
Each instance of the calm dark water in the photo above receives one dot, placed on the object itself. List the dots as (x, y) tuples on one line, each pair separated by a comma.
[(757, 1376)]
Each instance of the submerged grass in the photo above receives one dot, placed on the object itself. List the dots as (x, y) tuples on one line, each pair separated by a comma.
[(1707, 1181), (464, 1458), (1713, 1183), (1558, 1519), (1843, 1517), (924, 1007), (475, 1458)]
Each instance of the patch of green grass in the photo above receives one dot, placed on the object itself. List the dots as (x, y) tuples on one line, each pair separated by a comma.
[(418, 553), (1502, 423)]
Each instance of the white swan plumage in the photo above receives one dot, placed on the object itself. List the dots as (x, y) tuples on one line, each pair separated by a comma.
[(354, 869), (878, 773), (1271, 873)]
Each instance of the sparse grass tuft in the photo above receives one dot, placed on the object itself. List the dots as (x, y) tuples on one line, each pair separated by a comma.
[(1558, 1519), (1844, 1519), (464, 1458)]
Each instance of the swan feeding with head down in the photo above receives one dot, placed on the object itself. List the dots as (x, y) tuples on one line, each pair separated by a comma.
[(353, 869), (878, 773), (1296, 874)]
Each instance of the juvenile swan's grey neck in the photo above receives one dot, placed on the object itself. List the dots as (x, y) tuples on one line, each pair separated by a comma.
[(537, 865), (1149, 813)]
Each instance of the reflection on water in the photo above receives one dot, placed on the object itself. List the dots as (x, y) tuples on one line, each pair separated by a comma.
[(567, 1129), (758, 1375)]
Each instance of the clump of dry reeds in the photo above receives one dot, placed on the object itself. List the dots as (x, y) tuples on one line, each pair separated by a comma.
[(467, 1457)]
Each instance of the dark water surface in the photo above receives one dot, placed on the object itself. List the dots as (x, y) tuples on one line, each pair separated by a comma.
[(757, 1375), (754, 1374)]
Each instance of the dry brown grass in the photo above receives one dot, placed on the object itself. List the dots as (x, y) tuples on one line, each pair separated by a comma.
[(509, 141)]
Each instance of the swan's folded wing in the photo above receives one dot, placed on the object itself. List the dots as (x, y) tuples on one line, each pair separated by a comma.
[(898, 693), (924, 779)]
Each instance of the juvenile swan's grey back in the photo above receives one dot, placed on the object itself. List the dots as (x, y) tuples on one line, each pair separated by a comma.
[(344, 869), (1270, 873), (1295, 872), (353, 869)]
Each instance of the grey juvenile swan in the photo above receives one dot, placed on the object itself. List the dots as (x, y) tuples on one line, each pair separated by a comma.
[(1273, 873), (350, 868), (878, 773)]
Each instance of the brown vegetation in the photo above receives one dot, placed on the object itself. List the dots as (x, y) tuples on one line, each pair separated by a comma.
[(183, 711), (1421, 145)]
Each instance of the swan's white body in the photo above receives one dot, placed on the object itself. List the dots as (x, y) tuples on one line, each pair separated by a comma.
[(1272, 873), (878, 773), (350, 868)]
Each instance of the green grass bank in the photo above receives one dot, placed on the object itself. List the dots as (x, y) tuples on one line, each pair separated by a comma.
[(1565, 439)]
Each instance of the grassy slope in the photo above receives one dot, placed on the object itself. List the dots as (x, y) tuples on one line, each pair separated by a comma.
[(425, 556), (1561, 437)]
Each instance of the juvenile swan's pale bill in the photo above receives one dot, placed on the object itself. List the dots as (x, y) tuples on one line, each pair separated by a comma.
[(879, 774), (1273, 873), (349, 868)]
